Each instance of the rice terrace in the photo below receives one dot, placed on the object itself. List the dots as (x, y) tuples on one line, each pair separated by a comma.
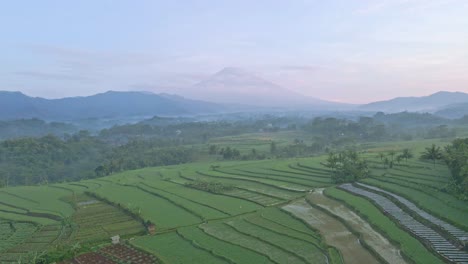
[(267, 211)]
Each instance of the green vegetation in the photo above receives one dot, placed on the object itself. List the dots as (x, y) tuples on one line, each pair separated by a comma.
[(346, 166), (218, 197), (456, 157), (213, 187)]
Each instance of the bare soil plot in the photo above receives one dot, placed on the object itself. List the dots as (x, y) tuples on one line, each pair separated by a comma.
[(333, 231), (375, 240)]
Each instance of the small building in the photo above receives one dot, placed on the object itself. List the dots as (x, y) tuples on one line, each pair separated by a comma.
[(115, 239), (151, 229)]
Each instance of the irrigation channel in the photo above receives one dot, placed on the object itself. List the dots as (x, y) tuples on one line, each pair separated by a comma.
[(425, 233)]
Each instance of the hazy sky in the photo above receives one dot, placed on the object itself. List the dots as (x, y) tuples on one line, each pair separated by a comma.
[(343, 50)]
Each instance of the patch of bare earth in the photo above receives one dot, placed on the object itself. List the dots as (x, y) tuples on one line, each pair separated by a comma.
[(333, 231), (375, 240)]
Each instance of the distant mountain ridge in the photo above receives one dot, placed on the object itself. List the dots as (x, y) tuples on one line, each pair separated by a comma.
[(431, 103), (16, 105)]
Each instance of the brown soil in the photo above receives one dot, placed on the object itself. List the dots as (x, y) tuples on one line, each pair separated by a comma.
[(375, 240), (333, 231)]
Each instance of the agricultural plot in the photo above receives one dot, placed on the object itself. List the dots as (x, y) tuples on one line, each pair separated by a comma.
[(412, 248), (455, 232), (225, 249), (286, 185), (299, 247), (223, 204), (126, 254), (158, 210), (259, 187), (39, 200), (374, 240), (333, 231), (259, 198), (199, 209), (95, 220), (437, 242), (293, 181), (288, 174), (40, 241), (439, 204), (18, 234), (228, 233), (173, 248)]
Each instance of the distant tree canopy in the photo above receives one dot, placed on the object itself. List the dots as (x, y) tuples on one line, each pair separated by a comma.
[(347, 166), (33, 128), (51, 159)]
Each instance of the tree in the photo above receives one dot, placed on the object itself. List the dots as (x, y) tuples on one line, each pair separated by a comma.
[(272, 147), (347, 166), (254, 152), (407, 154), (386, 162), (399, 158), (432, 153), (381, 156), (392, 154), (213, 149)]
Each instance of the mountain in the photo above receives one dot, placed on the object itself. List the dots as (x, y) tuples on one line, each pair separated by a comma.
[(237, 86), (15, 105), (430, 103)]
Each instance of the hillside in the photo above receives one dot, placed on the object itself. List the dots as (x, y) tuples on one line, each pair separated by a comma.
[(15, 105), (430, 103), (454, 111)]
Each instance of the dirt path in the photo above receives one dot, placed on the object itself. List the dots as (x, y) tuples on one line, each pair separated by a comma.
[(333, 231), (374, 239)]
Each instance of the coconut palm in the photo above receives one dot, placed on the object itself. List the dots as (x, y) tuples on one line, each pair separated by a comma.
[(433, 153)]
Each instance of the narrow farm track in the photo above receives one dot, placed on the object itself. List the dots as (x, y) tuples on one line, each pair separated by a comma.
[(333, 231), (435, 240), (452, 230), (372, 238)]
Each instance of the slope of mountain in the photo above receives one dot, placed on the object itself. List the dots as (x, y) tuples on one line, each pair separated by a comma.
[(430, 103), (15, 105), (454, 110), (237, 86)]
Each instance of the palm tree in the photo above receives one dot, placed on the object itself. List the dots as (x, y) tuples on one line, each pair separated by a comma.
[(407, 154), (386, 162), (392, 153), (399, 158), (432, 153)]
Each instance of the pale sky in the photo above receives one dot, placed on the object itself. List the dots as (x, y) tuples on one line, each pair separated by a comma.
[(342, 50)]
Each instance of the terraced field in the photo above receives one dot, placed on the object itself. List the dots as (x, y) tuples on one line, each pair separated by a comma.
[(271, 211)]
